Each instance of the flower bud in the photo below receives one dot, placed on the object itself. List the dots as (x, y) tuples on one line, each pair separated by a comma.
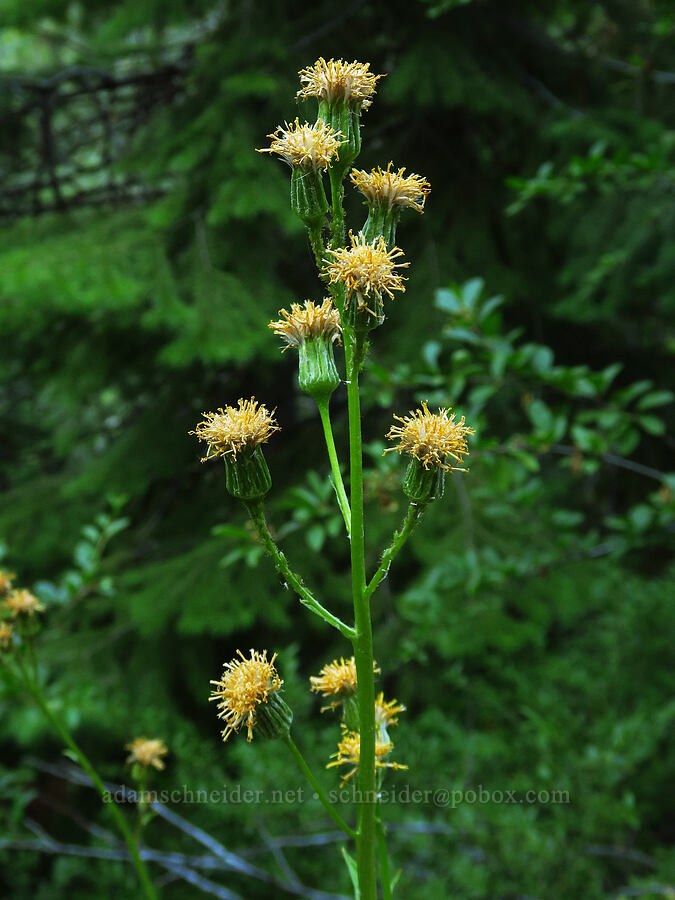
[(387, 193), (247, 476), (308, 197), (317, 373), (274, 718), (423, 485)]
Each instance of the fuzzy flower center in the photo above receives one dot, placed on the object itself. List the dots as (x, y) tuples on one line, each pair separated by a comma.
[(367, 268), (307, 322), (431, 437), (307, 146), (339, 80), (236, 429), (244, 685), (389, 188)]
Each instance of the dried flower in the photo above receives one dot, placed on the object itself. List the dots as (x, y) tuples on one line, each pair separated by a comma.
[(367, 270), (306, 322), (22, 603), (6, 632), (338, 679), (237, 429), (349, 751), (389, 188), (247, 695), (6, 579), (431, 437), (307, 146), (146, 752), (339, 81)]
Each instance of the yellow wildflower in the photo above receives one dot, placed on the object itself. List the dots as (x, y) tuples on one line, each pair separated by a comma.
[(339, 80), (22, 603), (389, 188), (349, 751), (307, 322), (338, 679), (366, 268), (431, 437), (307, 146), (6, 579), (236, 429), (386, 712), (147, 752), (246, 685), (6, 631)]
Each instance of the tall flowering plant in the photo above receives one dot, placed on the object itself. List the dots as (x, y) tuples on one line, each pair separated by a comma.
[(358, 274)]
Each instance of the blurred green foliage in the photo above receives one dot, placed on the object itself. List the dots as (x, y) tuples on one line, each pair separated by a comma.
[(529, 625)]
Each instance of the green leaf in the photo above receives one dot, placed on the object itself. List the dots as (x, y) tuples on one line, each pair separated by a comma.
[(353, 871)]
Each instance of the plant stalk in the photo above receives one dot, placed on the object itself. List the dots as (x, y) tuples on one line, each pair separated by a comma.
[(363, 640), (413, 515), (319, 791), (338, 483)]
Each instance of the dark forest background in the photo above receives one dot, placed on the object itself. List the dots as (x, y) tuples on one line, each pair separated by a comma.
[(528, 627)]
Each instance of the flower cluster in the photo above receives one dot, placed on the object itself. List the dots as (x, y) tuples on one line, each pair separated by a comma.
[(237, 429), (146, 752), (389, 188), (307, 146), (308, 322), (339, 81), (349, 754), (431, 437), (247, 696)]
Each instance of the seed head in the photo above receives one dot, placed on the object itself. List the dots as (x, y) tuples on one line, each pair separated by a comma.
[(349, 751), (307, 146), (337, 80), (367, 268), (389, 188), (22, 603), (431, 437), (236, 429), (307, 322), (243, 687), (147, 752)]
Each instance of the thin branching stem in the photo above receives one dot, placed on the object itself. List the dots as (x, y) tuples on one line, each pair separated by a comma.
[(413, 515), (257, 514), (318, 790), (338, 483)]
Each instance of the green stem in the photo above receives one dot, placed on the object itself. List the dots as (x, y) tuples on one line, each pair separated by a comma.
[(257, 514), (319, 791), (385, 877), (338, 218), (338, 483), (115, 812), (316, 241), (412, 517), (363, 640)]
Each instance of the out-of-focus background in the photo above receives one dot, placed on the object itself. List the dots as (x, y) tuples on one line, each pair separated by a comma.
[(528, 627)]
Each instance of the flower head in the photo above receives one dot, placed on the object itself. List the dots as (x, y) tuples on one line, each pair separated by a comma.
[(22, 603), (244, 688), (236, 429), (147, 752), (389, 188), (431, 437), (338, 679), (386, 712), (307, 322), (349, 752), (337, 80), (6, 579), (366, 268), (308, 146), (6, 632)]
